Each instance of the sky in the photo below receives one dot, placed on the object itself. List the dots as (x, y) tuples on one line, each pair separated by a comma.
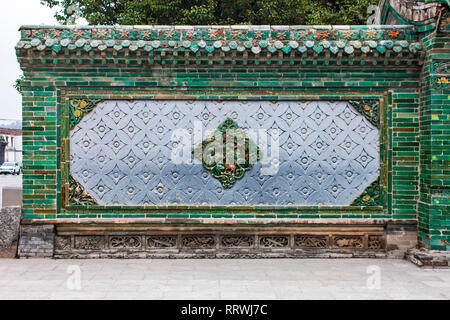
[(13, 14)]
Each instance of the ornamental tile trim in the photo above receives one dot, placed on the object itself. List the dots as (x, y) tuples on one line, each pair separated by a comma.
[(372, 196), (78, 195), (78, 108), (370, 109), (313, 40), (440, 82)]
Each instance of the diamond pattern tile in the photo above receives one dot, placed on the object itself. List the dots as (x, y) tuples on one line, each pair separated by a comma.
[(121, 153)]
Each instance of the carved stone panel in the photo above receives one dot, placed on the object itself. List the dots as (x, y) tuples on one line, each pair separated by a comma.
[(348, 242), (311, 153), (131, 242), (161, 241), (63, 243), (237, 241), (89, 242), (199, 241), (375, 242), (183, 244), (311, 241), (274, 241)]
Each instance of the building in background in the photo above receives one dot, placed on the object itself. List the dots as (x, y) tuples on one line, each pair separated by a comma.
[(11, 134)]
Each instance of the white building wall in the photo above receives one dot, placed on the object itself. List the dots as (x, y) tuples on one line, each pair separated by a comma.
[(13, 151)]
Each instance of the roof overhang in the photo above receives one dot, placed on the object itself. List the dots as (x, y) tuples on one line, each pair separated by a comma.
[(54, 46)]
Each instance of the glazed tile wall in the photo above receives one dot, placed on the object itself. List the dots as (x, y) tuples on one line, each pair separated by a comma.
[(45, 94)]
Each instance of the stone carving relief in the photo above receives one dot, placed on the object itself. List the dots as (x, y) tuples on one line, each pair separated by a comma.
[(237, 241), (63, 243), (121, 153), (274, 241), (125, 242), (89, 242), (310, 241), (201, 242), (375, 242), (348, 241), (168, 243), (161, 241)]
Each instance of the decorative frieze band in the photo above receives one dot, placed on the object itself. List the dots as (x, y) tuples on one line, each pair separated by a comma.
[(182, 242), (78, 108), (370, 109)]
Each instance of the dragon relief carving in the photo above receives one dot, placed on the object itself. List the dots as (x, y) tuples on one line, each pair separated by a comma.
[(237, 241), (308, 241), (274, 241), (348, 241), (125, 242), (228, 136), (162, 241), (203, 242)]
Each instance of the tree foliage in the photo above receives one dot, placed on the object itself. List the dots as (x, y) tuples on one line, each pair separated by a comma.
[(18, 84), (213, 12)]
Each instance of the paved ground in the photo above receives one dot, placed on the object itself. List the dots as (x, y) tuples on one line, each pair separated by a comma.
[(221, 279), (9, 181)]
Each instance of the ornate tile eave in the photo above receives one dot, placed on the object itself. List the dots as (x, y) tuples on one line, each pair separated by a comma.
[(216, 44)]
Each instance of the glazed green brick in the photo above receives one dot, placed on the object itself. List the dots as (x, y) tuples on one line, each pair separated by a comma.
[(433, 206)]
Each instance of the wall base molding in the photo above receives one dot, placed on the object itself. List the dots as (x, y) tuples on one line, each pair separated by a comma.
[(211, 239)]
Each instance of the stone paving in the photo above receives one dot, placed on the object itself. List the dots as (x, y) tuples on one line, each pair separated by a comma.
[(221, 279)]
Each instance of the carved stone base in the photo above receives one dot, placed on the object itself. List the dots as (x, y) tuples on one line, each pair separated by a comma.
[(221, 238), (427, 258)]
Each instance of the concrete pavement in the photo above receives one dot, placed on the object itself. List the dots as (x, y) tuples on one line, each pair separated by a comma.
[(221, 279)]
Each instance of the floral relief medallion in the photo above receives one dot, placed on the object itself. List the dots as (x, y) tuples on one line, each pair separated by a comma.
[(229, 165)]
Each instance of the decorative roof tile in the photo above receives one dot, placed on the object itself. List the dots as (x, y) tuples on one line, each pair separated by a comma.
[(218, 42)]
